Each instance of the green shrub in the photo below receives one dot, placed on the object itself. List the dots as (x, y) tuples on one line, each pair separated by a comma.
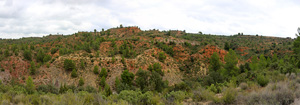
[(107, 90), (103, 73), (102, 81), (229, 95), (81, 82), (32, 68), (161, 56), (69, 65), (127, 77), (201, 94), (29, 85), (27, 55), (96, 69), (130, 96), (178, 96), (262, 80), (74, 73)]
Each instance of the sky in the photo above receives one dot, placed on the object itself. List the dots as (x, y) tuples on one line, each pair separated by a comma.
[(37, 18)]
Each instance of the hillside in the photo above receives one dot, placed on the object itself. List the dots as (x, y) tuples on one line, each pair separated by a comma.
[(181, 56)]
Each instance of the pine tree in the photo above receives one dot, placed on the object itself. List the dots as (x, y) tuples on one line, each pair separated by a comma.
[(29, 85), (96, 69), (81, 82), (231, 62), (32, 68), (215, 63), (103, 73)]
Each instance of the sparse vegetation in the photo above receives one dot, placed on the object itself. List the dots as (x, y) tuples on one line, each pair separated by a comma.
[(212, 69)]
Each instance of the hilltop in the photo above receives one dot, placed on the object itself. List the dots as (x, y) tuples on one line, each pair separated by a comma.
[(181, 56)]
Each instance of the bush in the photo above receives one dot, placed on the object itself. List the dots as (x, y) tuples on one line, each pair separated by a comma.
[(178, 96), (229, 96), (161, 56), (27, 55), (29, 85), (262, 80), (243, 86), (81, 82), (32, 68), (127, 77), (130, 96), (107, 90), (74, 73), (201, 94), (102, 82), (96, 69), (103, 73), (157, 68), (69, 65)]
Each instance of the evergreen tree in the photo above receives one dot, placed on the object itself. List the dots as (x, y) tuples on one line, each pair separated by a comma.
[(69, 65), (127, 77), (142, 79), (102, 81), (96, 69), (27, 55), (161, 56), (32, 68), (107, 90), (231, 62), (103, 73), (156, 81), (262, 62), (81, 82), (74, 73), (254, 63), (29, 85), (215, 63)]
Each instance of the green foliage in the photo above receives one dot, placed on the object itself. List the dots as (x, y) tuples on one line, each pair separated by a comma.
[(102, 81), (30, 87), (74, 73), (130, 96), (161, 56), (47, 58), (126, 49), (227, 46), (262, 80), (103, 73), (142, 79), (156, 82), (69, 65), (201, 94), (54, 50), (40, 56), (32, 68), (179, 96), (127, 77), (262, 62), (27, 55), (157, 68), (81, 82), (107, 90), (254, 63), (6, 53), (229, 96), (231, 62), (166, 48), (96, 69), (214, 62)]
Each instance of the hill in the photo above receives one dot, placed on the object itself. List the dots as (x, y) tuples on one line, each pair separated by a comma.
[(182, 59)]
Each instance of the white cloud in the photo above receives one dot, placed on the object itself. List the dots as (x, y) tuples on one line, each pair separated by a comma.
[(38, 18)]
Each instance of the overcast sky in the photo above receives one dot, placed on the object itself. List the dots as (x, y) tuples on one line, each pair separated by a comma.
[(25, 18)]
